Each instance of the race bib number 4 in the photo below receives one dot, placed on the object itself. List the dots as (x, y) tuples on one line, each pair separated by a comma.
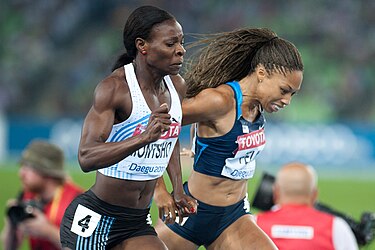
[(85, 221)]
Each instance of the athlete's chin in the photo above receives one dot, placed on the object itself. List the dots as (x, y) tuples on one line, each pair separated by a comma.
[(175, 68), (270, 110), (273, 108), (174, 72)]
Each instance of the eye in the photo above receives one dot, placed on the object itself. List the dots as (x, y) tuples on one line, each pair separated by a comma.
[(283, 91), (170, 44)]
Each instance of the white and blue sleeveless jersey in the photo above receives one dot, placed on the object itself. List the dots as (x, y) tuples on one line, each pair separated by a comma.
[(232, 155), (150, 161)]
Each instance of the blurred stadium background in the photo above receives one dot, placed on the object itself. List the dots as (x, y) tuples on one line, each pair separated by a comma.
[(53, 53)]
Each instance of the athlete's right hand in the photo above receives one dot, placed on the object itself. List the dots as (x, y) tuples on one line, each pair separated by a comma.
[(158, 123)]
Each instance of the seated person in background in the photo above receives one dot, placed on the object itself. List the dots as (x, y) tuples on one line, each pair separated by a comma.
[(294, 223), (45, 185)]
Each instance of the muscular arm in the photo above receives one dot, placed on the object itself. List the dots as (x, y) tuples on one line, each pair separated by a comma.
[(174, 167), (110, 96), (174, 170), (162, 197), (208, 106)]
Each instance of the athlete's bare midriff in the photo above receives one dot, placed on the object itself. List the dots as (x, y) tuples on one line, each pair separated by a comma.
[(216, 191), (125, 193)]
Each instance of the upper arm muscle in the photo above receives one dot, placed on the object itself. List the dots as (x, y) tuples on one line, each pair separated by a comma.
[(100, 119), (209, 105)]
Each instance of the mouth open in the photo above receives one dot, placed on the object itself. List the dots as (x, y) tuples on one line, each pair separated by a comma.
[(177, 64), (276, 107)]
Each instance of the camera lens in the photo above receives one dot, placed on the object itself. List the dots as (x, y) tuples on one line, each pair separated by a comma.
[(29, 209), (20, 213)]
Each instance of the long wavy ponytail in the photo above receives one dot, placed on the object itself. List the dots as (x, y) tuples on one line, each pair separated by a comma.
[(230, 56)]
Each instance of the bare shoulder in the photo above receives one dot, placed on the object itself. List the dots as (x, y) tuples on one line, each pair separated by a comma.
[(220, 98), (111, 89), (210, 104), (115, 81)]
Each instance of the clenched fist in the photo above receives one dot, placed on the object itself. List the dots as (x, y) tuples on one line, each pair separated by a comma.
[(158, 122)]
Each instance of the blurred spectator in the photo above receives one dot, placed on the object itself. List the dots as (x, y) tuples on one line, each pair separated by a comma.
[(337, 40), (46, 192), (294, 223)]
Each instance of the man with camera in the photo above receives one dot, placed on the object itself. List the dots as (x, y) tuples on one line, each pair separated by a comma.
[(46, 193), (294, 223)]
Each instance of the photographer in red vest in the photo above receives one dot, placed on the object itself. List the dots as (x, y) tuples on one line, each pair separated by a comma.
[(46, 192), (294, 223)]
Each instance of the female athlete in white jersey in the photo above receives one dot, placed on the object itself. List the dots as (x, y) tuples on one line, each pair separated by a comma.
[(128, 137)]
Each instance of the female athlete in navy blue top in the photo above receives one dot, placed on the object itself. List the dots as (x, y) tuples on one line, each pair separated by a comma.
[(238, 76)]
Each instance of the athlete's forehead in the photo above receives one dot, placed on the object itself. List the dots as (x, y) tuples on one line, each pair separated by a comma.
[(169, 29)]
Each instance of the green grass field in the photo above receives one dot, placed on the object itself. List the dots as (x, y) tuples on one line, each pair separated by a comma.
[(348, 194)]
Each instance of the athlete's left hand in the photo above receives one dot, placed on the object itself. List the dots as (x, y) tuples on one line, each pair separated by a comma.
[(186, 204)]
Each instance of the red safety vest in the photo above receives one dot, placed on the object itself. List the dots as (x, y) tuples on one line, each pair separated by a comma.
[(298, 227), (54, 210)]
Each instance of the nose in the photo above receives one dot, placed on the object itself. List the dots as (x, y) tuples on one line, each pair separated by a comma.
[(22, 172), (286, 100), (180, 50)]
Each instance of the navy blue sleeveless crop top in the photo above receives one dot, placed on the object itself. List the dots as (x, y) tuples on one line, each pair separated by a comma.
[(231, 155)]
